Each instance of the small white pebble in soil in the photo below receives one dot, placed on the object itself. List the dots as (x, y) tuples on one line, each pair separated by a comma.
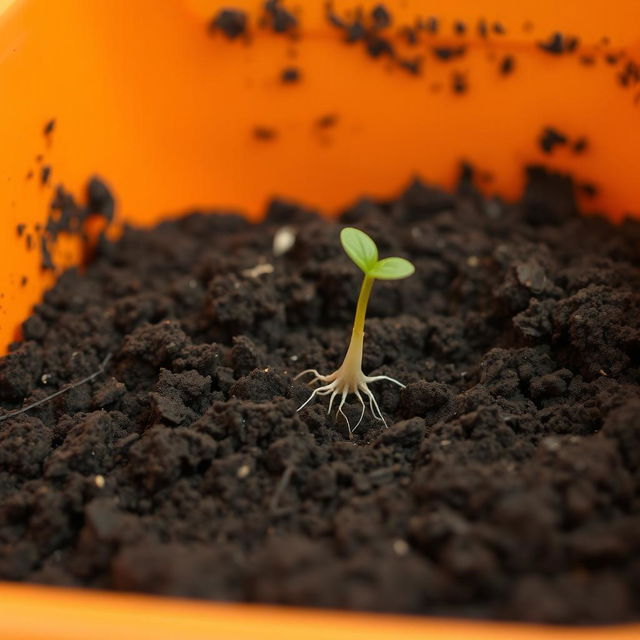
[(473, 261), (192, 284), (445, 443), (400, 547), (293, 358), (551, 443), (99, 481), (243, 471), (258, 270), (45, 378), (283, 240), (602, 372)]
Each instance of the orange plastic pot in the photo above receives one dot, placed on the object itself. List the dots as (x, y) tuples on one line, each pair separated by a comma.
[(143, 95)]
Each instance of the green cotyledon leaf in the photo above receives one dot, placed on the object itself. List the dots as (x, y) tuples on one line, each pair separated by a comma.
[(360, 248), (391, 269)]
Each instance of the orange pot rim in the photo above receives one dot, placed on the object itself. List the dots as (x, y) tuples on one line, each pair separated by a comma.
[(71, 614)]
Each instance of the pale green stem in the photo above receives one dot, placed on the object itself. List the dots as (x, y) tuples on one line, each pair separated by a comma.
[(351, 370), (361, 309)]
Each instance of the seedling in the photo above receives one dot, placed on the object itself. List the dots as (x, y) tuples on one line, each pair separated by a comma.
[(349, 378)]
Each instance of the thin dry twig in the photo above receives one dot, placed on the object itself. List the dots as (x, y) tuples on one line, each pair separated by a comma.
[(68, 387), (282, 485)]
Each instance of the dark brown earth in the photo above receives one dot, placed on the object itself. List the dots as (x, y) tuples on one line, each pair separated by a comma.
[(508, 483)]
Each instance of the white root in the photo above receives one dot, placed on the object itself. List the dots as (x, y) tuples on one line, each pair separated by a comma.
[(337, 383)]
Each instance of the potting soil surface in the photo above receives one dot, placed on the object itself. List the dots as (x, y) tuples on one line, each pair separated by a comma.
[(506, 486)]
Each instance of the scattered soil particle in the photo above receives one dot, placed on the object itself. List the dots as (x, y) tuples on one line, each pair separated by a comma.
[(327, 120), (580, 145), (507, 485), (507, 65), (410, 35), (483, 28), (558, 43), (332, 17), (20, 229), (498, 28), (572, 43), (231, 22), (45, 173), (588, 189), (449, 53), (630, 74), (377, 46), (29, 174), (550, 138), (459, 82), (281, 20), (46, 260), (432, 25), (380, 17), (555, 44), (49, 127), (412, 65), (23, 281), (355, 31), (290, 75), (264, 133), (459, 27)]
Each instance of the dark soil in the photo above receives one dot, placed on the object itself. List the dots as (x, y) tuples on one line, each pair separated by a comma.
[(508, 483)]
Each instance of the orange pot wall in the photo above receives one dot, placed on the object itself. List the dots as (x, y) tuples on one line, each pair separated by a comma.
[(145, 97), (40, 613)]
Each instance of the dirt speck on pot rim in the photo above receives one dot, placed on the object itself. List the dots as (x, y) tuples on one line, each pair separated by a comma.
[(507, 485)]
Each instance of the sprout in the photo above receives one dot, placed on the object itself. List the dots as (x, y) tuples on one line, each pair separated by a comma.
[(349, 378)]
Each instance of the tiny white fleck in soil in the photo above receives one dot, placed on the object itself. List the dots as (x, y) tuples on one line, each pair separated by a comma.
[(283, 240), (243, 471), (551, 443), (400, 547), (258, 270)]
